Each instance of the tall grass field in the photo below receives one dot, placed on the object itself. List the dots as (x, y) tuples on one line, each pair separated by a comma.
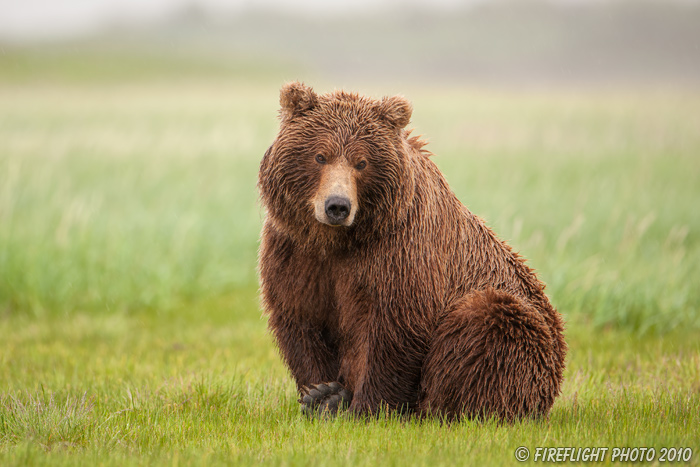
[(130, 327)]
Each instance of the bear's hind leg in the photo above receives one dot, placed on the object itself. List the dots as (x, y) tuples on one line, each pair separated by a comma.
[(493, 354)]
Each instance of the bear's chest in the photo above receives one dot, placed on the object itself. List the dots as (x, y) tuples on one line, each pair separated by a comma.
[(374, 290)]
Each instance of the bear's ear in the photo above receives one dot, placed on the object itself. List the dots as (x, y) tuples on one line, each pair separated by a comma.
[(295, 99), (396, 110)]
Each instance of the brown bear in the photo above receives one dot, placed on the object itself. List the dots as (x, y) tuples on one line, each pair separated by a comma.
[(383, 291)]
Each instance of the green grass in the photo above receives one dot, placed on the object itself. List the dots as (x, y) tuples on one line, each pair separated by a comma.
[(130, 329)]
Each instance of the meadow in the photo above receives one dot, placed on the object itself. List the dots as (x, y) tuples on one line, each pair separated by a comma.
[(130, 327)]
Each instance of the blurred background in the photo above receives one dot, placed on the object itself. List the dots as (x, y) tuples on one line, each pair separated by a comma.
[(131, 133), (456, 41)]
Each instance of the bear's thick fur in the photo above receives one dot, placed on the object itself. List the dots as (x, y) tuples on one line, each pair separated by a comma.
[(379, 283)]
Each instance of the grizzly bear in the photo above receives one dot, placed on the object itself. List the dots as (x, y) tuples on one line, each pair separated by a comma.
[(383, 292)]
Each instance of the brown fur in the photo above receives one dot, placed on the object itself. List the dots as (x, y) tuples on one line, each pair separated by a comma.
[(417, 304)]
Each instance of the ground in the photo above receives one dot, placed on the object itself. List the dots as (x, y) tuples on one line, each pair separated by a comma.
[(130, 323)]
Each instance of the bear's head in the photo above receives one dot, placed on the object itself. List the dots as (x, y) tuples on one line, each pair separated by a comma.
[(340, 168)]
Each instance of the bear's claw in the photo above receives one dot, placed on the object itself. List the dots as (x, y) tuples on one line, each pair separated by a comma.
[(324, 399)]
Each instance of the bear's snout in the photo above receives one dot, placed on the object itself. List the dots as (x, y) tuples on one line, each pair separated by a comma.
[(335, 203), (337, 209)]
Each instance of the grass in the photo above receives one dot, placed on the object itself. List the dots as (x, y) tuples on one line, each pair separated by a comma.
[(130, 325), (118, 392)]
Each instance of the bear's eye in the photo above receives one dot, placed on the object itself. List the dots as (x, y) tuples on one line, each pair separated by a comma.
[(320, 159), (361, 165)]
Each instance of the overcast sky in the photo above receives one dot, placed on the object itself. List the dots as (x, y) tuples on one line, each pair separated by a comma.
[(28, 19), (51, 18)]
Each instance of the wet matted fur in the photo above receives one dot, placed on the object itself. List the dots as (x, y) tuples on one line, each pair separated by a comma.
[(396, 295)]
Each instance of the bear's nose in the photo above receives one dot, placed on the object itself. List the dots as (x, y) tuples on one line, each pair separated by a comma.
[(337, 209)]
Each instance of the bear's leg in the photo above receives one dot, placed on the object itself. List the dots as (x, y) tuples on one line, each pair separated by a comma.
[(310, 353), (493, 354), (312, 357)]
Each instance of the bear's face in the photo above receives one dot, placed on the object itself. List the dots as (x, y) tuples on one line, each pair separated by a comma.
[(335, 202), (339, 167)]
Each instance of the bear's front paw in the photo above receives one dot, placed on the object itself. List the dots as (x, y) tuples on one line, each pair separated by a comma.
[(324, 399)]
